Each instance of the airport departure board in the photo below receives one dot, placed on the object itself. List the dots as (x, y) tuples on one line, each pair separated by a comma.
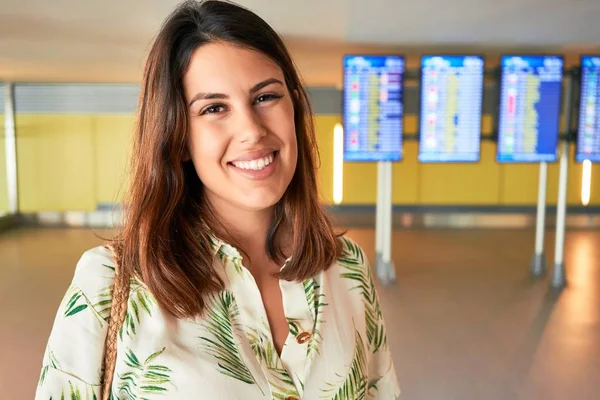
[(451, 102), (530, 99), (588, 132), (373, 107)]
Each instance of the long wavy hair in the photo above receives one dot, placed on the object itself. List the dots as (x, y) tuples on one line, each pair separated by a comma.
[(165, 237)]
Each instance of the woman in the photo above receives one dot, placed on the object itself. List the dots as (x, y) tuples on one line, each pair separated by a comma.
[(238, 287)]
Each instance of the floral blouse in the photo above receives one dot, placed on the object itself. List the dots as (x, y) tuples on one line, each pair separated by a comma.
[(336, 347)]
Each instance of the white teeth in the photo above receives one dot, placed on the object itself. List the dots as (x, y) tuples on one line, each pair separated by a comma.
[(255, 165)]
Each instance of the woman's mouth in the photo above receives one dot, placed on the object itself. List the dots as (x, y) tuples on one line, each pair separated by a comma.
[(257, 164), (258, 168)]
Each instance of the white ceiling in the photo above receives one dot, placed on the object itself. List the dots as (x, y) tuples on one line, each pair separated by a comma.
[(107, 39)]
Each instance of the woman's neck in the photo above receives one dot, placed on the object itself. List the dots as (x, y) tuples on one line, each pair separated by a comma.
[(247, 228)]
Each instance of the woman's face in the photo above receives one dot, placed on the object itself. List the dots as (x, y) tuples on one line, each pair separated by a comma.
[(242, 138)]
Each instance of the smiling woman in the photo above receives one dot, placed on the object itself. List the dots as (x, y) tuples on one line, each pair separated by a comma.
[(227, 279)]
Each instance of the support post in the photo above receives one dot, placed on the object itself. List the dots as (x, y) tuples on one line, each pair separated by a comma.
[(538, 262), (558, 274), (386, 268), (379, 214), (10, 148)]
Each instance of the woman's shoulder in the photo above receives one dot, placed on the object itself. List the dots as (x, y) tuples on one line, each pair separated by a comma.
[(352, 261), (352, 252), (95, 270)]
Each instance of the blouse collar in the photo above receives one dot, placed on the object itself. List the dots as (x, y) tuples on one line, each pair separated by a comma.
[(221, 247)]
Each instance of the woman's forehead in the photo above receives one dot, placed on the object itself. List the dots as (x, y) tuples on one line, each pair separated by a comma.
[(216, 67)]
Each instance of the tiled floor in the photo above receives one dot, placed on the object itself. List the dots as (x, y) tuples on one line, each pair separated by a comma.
[(465, 319)]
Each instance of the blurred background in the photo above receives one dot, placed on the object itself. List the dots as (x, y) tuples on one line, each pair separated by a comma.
[(468, 315)]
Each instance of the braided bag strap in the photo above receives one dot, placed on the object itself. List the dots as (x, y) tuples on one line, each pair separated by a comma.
[(118, 311)]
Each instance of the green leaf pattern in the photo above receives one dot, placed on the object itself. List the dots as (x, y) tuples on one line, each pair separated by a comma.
[(78, 390), (354, 386), (357, 270), (145, 378), (51, 363), (264, 350), (294, 325), (76, 393), (220, 323), (140, 302), (316, 302), (79, 302)]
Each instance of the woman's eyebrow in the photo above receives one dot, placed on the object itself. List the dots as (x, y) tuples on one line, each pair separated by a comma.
[(212, 96)]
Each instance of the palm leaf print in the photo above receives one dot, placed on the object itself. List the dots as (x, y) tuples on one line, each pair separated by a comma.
[(74, 305), (146, 379), (103, 301), (140, 301), (222, 256), (235, 261), (265, 351), (301, 383), (78, 301), (109, 267), (373, 385), (360, 272), (316, 302), (75, 393), (222, 345), (212, 242), (310, 290), (281, 393), (294, 325), (355, 385), (52, 363)]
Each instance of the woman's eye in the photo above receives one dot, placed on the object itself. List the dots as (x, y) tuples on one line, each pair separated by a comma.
[(267, 97), (215, 108)]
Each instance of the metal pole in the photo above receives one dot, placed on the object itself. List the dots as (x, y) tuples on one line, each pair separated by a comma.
[(390, 262), (387, 270), (379, 214), (10, 148), (558, 274), (538, 262)]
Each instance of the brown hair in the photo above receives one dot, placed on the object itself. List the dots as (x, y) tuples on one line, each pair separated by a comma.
[(165, 240)]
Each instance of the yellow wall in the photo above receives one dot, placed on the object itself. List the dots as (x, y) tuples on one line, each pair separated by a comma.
[(112, 140), (70, 162)]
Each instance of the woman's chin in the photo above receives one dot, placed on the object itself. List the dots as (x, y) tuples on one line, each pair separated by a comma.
[(259, 203)]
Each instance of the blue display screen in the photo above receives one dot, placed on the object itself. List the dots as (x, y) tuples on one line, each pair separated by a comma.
[(530, 97), (588, 136), (373, 108), (451, 102)]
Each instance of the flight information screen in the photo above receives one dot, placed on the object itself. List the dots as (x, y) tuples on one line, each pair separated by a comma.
[(451, 102), (588, 136), (530, 96), (373, 108)]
